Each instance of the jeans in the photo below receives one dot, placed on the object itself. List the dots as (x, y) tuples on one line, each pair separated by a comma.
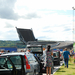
[(66, 62)]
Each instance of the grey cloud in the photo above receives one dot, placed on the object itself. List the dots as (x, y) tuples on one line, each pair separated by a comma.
[(6, 9), (9, 25), (7, 12), (31, 15)]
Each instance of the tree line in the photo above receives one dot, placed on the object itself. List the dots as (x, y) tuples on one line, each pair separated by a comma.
[(11, 44)]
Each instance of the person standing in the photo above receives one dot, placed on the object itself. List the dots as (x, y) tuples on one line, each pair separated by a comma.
[(48, 60), (2, 51), (66, 57)]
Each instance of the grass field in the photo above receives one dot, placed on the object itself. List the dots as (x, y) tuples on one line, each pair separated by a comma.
[(67, 71)]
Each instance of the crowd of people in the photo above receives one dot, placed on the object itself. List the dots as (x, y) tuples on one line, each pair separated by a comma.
[(49, 55), (3, 51), (66, 54)]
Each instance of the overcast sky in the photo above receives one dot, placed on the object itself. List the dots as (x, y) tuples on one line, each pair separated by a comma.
[(49, 19)]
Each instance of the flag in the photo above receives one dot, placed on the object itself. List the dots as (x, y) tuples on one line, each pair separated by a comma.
[(74, 47)]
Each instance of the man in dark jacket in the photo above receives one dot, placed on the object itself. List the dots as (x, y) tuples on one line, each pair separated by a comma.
[(66, 57)]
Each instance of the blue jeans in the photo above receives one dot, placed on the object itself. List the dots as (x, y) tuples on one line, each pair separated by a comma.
[(66, 62)]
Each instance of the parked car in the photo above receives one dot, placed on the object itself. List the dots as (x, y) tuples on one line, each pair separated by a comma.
[(18, 63), (56, 56)]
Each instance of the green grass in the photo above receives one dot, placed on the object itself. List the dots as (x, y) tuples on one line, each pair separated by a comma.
[(66, 71)]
